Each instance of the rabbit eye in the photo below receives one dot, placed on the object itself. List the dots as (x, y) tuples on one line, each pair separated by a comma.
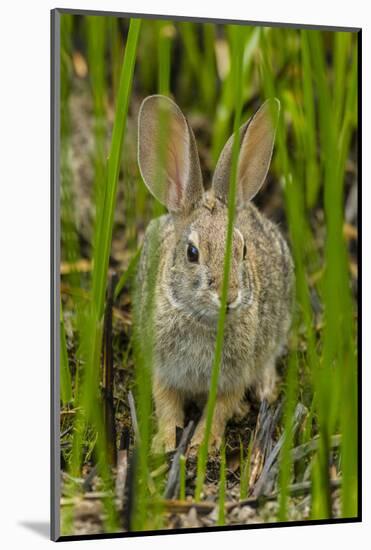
[(244, 252), (192, 253)]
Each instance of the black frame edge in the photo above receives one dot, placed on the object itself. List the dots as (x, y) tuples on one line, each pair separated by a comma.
[(192, 530)]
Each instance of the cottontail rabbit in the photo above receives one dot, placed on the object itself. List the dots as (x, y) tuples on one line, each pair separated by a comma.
[(189, 256)]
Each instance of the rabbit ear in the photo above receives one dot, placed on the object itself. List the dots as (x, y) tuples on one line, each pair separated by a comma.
[(256, 146), (167, 154)]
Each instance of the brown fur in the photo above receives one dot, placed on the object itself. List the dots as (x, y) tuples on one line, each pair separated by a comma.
[(187, 295)]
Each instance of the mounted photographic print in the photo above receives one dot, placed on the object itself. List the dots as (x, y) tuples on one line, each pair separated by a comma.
[(204, 274)]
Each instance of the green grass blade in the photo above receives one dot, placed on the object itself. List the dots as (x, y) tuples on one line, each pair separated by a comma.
[(342, 45), (285, 456), (65, 373), (96, 38), (90, 409), (222, 487), (189, 34), (116, 50), (144, 517), (312, 177), (128, 274), (245, 467), (209, 75), (349, 412), (182, 477), (338, 348), (165, 37), (226, 103), (202, 457), (104, 230), (70, 249)]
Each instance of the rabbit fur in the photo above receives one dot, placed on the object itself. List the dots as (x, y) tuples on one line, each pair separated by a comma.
[(187, 291)]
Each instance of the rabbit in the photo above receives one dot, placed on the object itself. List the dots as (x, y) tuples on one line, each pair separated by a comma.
[(188, 246)]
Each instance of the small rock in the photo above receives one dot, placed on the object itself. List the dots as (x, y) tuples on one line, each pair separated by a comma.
[(245, 513), (213, 516), (88, 510), (191, 520)]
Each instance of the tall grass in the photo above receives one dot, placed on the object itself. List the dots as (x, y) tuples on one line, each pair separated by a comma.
[(285, 458), (88, 400), (96, 28), (326, 362), (182, 477), (65, 374), (145, 515), (222, 486), (245, 469), (232, 193), (300, 234), (104, 226), (165, 38), (318, 94), (69, 238), (68, 234), (225, 105), (338, 376)]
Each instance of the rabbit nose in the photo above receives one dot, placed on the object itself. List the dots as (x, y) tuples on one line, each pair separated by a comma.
[(232, 299)]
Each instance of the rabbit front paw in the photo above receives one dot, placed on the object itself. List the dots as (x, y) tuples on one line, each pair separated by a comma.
[(170, 414), (163, 442), (267, 387), (215, 440), (242, 409)]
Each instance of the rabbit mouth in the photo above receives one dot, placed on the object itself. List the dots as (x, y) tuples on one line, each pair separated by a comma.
[(209, 314), (231, 305), (206, 308)]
